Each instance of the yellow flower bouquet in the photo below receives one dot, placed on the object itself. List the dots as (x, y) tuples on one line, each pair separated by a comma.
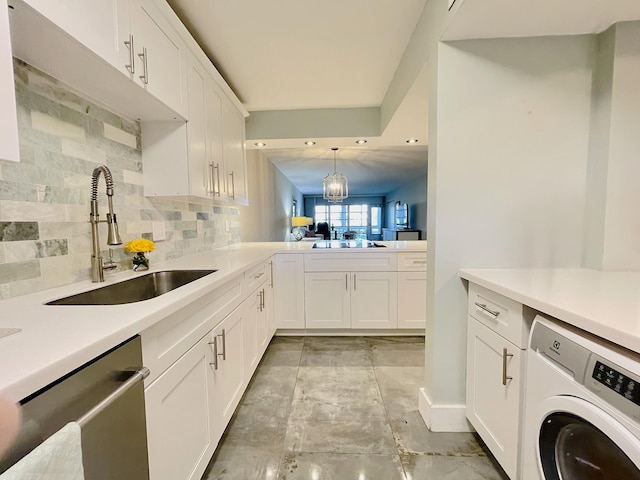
[(139, 247)]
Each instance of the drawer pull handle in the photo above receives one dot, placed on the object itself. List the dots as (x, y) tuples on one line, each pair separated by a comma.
[(419, 262), (215, 353), (483, 306), (258, 275), (505, 356)]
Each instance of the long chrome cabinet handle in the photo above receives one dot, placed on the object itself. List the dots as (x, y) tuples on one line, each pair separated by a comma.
[(505, 356), (216, 193), (346, 281), (131, 68), (215, 352), (145, 75), (354, 282), (132, 381), (224, 344), (483, 306), (271, 270), (233, 187)]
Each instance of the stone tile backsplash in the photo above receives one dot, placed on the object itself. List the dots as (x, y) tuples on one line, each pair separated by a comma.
[(45, 237)]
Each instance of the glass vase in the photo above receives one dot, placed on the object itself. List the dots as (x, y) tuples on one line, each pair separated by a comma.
[(140, 262)]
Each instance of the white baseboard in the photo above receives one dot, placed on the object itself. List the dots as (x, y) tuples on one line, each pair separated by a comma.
[(443, 418)]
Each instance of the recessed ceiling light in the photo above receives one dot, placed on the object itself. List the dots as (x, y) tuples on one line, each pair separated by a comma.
[(260, 144), (412, 140), (309, 142), (362, 141)]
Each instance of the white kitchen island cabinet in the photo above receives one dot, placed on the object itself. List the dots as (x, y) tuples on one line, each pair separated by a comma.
[(351, 299), (288, 290), (412, 290), (346, 290)]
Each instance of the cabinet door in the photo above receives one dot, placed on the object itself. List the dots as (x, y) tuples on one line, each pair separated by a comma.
[(228, 377), (288, 289), (412, 299), (214, 140), (250, 319), (199, 173), (178, 406), (9, 149), (100, 25), (374, 300), (234, 156), (493, 401), (270, 304), (159, 55), (262, 325), (327, 299)]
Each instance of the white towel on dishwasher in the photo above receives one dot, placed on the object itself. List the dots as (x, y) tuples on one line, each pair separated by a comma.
[(59, 457)]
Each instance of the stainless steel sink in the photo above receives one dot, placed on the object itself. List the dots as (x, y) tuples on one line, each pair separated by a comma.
[(136, 289)]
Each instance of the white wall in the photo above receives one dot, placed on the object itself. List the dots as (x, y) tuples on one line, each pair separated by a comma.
[(507, 176), (268, 216), (613, 223)]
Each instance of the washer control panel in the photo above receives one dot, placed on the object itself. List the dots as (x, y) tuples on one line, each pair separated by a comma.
[(614, 384), (617, 381)]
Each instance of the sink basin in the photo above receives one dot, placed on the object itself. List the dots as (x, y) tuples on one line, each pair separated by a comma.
[(136, 289)]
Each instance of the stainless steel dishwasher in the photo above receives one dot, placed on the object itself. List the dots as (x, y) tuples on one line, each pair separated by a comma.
[(106, 397)]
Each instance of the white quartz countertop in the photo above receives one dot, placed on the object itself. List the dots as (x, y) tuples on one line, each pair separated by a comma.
[(55, 340), (606, 304)]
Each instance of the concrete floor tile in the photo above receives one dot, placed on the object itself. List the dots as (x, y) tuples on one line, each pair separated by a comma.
[(433, 467), (272, 385), (336, 385), (335, 343), (335, 357), (398, 355), (243, 463), (340, 437), (413, 437), (332, 466)]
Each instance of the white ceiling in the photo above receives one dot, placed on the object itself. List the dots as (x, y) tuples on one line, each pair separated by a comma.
[(302, 54)]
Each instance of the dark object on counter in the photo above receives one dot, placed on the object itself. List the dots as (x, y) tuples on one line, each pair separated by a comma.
[(323, 229)]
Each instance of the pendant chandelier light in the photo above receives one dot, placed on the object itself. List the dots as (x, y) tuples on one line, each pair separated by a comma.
[(335, 187)]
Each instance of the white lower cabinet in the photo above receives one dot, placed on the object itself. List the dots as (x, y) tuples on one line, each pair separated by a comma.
[(412, 299), (496, 354), (180, 427), (327, 301), (227, 345), (288, 290), (351, 299)]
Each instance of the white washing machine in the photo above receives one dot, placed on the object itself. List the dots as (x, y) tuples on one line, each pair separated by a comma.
[(582, 407)]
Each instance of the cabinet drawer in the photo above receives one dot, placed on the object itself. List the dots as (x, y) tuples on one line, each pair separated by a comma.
[(348, 262), (166, 341), (501, 314), (256, 276), (412, 262)]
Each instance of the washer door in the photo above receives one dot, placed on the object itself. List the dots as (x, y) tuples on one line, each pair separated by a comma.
[(579, 441)]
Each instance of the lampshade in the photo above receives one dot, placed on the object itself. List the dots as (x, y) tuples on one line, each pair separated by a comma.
[(335, 187), (300, 221)]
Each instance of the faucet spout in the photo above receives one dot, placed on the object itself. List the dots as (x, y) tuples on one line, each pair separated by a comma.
[(113, 236)]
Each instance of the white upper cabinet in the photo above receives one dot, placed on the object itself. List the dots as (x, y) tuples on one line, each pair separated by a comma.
[(102, 26), (159, 56), (111, 50), (235, 162), (8, 122)]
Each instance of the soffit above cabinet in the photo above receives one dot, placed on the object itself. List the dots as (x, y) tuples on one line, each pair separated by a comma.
[(527, 18)]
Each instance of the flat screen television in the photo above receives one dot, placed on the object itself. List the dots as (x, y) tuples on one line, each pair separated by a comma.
[(402, 216)]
